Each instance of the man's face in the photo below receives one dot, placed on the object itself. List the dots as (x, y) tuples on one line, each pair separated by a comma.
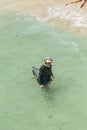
[(48, 63)]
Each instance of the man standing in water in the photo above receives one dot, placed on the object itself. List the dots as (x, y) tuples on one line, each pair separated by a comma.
[(45, 73), (76, 1)]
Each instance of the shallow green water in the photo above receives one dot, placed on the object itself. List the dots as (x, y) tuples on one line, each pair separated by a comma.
[(24, 42)]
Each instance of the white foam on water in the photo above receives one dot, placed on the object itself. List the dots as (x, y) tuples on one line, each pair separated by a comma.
[(77, 17), (38, 18)]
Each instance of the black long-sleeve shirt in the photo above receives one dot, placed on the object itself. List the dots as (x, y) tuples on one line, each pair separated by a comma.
[(47, 71)]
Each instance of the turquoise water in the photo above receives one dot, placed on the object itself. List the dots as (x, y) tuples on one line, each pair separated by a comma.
[(24, 42)]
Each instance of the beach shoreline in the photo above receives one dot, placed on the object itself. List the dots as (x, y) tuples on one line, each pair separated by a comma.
[(70, 18), (54, 12)]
